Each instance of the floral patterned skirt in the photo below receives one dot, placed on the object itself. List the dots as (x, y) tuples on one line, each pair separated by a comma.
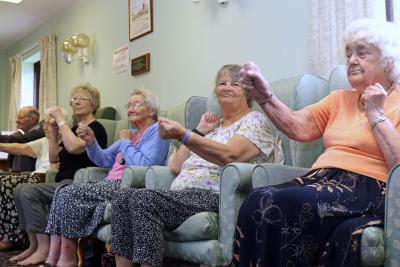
[(9, 225), (314, 220)]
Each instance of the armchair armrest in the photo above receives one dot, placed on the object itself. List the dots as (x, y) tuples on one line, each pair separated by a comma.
[(273, 174), (51, 176), (133, 177), (392, 217), (159, 177), (235, 184), (90, 174)]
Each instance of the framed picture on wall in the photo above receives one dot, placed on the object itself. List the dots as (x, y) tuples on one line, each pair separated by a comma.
[(140, 18)]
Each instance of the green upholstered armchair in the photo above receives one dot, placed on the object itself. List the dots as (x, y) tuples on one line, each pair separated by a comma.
[(206, 237)]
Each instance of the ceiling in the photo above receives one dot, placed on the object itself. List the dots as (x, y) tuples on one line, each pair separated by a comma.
[(18, 20)]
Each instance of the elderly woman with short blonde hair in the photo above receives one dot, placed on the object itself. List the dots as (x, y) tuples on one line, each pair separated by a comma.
[(67, 151)]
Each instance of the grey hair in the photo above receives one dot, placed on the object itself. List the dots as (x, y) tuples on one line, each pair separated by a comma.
[(150, 100), (381, 34)]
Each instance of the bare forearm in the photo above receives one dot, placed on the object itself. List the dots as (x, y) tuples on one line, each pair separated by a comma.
[(220, 154), (297, 125), (72, 143), (178, 158), (388, 139), (17, 149), (54, 150)]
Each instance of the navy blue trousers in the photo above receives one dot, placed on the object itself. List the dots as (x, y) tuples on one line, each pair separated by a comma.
[(314, 220)]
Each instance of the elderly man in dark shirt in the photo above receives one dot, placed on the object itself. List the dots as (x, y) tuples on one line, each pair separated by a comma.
[(27, 122)]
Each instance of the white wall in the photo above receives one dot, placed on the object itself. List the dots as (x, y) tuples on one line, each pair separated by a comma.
[(189, 43)]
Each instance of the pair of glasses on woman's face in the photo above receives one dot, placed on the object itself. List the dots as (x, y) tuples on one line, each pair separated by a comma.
[(134, 105), (79, 98)]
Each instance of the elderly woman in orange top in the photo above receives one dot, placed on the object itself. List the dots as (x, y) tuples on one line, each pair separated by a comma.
[(317, 219)]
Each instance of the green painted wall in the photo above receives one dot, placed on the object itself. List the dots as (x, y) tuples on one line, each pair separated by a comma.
[(189, 43)]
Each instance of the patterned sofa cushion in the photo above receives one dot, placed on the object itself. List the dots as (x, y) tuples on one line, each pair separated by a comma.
[(202, 226)]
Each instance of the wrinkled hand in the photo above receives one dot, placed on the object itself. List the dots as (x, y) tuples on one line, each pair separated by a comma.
[(254, 83), (53, 129), (57, 114), (372, 100), (169, 129), (86, 134), (208, 122), (125, 134)]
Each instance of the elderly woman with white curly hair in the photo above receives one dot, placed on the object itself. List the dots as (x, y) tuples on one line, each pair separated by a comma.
[(318, 219)]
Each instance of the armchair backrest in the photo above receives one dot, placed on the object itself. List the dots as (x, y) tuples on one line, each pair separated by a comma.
[(113, 128), (188, 113), (338, 79), (106, 113), (308, 90)]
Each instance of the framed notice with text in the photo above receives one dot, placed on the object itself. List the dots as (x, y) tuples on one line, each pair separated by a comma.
[(140, 18)]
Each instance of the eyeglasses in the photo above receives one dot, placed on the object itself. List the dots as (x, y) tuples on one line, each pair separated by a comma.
[(80, 98), (134, 105)]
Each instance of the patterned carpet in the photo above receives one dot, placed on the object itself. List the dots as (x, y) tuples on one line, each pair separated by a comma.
[(5, 255)]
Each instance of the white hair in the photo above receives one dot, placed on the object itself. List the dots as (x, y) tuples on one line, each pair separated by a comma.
[(381, 34)]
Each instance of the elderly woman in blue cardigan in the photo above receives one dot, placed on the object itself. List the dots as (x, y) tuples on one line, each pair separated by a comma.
[(77, 209)]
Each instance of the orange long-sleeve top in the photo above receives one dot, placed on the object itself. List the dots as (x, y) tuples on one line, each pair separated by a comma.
[(347, 134)]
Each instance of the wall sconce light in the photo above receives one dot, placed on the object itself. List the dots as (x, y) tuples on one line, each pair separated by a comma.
[(76, 47)]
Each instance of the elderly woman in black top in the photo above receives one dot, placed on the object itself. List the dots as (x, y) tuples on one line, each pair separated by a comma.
[(34, 200)]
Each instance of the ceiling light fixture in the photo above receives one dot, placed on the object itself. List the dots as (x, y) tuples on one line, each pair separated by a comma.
[(12, 1)]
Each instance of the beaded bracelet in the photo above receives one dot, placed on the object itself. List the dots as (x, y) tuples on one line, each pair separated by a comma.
[(377, 120), (186, 136)]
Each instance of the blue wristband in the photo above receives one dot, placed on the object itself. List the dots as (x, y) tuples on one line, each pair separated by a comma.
[(186, 136)]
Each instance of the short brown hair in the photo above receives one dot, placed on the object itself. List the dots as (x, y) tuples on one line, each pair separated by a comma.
[(234, 72)]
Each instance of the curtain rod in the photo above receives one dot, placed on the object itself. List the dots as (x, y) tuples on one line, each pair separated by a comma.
[(26, 51)]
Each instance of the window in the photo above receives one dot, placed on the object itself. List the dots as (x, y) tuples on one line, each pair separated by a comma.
[(393, 10), (30, 80)]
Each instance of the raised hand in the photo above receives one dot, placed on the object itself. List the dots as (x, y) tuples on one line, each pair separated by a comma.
[(86, 134), (53, 129), (208, 122), (254, 82), (372, 100), (170, 129), (57, 114), (125, 134)]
